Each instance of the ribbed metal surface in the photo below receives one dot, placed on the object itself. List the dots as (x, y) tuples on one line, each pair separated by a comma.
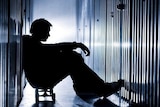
[(3, 50), (124, 43), (10, 58), (140, 59)]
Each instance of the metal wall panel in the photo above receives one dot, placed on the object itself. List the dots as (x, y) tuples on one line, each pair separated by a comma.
[(144, 52), (10, 52), (3, 51), (124, 43)]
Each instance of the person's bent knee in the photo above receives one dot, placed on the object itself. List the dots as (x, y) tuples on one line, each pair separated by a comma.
[(77, 56)]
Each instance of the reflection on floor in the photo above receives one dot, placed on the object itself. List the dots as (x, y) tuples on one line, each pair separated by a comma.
[(65, 97)]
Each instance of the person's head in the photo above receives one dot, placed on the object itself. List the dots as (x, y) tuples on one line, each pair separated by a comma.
[(40, 29)]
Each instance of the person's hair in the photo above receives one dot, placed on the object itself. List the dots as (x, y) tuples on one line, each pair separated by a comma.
[(39, 24)]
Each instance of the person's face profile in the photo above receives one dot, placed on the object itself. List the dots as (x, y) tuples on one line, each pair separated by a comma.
[(42, 34)]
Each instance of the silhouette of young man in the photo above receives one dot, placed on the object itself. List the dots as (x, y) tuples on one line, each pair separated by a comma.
[(47, 64)]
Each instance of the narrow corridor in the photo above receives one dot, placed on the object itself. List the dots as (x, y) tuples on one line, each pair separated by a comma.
[(123, 37), (65, 97)]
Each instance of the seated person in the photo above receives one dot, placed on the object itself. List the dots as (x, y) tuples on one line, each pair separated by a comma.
[(48, 64)]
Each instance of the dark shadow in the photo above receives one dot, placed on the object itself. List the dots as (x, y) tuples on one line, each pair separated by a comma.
[(104, 103), (139, 105), (44, 104), (92, 100)]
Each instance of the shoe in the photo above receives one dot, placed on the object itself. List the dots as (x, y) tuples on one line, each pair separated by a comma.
[(111, 88)]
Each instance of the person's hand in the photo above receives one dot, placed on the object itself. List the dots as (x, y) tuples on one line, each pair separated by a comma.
[(84, 48)]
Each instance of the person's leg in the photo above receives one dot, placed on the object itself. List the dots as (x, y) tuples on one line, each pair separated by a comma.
[(85, 80), (53, 69)]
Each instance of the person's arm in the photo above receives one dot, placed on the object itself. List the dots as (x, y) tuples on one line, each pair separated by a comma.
[(75, 45), (69, 46)]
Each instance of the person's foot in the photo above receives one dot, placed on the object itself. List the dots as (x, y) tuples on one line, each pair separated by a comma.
[(113, 87)]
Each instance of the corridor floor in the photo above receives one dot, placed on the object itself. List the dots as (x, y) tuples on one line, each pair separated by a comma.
[(65, 97)]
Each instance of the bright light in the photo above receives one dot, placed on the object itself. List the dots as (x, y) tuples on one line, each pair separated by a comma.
[(124, 45), (116, 44), (62, 31)]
